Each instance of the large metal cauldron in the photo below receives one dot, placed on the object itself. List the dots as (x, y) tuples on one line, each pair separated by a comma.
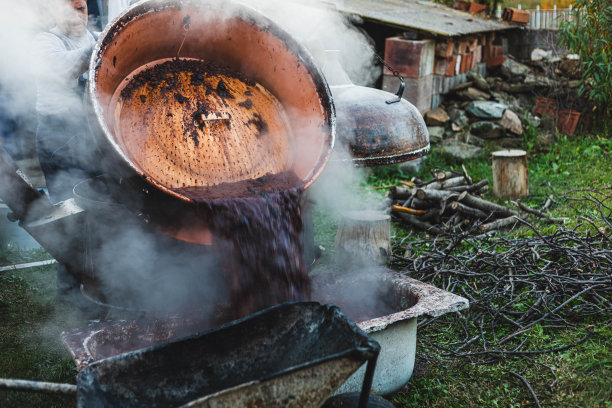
[(270, 113)]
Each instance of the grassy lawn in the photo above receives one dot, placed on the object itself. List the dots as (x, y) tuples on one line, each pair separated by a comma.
[(30, 325), (579, 376), (31, 321)]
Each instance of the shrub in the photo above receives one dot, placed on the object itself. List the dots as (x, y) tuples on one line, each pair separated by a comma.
[(588, 34)]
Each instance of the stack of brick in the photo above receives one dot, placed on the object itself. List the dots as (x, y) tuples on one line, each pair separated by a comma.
[(431, 69), (455, 57), (413, 59)]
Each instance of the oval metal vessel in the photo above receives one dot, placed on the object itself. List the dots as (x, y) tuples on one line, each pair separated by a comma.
[(257, 104)]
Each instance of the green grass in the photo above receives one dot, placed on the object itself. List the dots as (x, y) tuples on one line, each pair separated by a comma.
[(30, 326), (584, 372), (31, 321)]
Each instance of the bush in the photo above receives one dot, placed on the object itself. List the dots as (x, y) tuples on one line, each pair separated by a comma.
[(588, 34)]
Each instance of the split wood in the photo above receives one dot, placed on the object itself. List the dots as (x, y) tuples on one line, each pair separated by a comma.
[(449, 201)]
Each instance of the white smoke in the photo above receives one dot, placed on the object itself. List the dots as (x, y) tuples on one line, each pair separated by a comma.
[(314, 24)]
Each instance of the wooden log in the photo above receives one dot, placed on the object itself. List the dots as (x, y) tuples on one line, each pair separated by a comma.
[(510, 174), (421, 204), (434, 195), (497, 224), (400, 193), (425, 226), (470, 188), (484, 205), (363, 238), (399, 208), (469, 211), (445, 175), (452, 182)]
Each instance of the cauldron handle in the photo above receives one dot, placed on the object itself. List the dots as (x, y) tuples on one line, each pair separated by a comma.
[(396, 74)]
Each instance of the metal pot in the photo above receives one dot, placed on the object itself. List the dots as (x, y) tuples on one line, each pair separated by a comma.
[(278, 117), (375, 126)]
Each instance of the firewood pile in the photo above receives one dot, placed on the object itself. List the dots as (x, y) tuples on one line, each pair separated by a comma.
[(451, 202)]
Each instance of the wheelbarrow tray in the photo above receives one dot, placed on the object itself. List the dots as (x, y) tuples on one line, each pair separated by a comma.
[(290, 355)]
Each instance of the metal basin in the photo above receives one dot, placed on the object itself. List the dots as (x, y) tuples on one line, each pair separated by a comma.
[(291, 355), (386, 305)]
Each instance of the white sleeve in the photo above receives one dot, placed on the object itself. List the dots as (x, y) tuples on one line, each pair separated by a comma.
[(55, 56)]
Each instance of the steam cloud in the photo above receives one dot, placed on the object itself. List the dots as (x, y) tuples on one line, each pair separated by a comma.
[(318, 27)]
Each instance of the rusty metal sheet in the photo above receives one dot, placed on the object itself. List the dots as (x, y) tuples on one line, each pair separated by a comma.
[(420, 15)]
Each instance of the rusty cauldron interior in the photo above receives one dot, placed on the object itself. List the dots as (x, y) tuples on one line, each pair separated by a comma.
[(257, 106)]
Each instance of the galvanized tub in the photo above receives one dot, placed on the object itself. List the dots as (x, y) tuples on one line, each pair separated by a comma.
[(291, 355)]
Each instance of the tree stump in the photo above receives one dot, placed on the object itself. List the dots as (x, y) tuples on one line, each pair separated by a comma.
[(363, 238), (510, 174)]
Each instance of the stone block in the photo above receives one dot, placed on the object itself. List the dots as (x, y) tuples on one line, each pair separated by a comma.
[(412, 58), (418, 91), (436, 100), (441, 84), (474, 63), (478, 54), (482, 69)]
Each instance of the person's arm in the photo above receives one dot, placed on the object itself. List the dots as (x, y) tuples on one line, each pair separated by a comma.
[(56, 57)]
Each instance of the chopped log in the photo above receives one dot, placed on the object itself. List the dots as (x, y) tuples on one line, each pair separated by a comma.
[(444, 175), (431, 214), (399, 208), (445, 200), (434, 195), (400, 193), (363, 238), (485, 205), (510, 174), (452, 182), (470, 188), (497, 224), (469, 211), (425, 226), (421, 204)]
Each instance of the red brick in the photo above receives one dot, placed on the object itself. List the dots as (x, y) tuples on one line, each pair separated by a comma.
[(445, 66), (466, 63), (463, 46), (473, 44), (412, 58), (488, 52), (444, 49), (476, 8), (495, 61)]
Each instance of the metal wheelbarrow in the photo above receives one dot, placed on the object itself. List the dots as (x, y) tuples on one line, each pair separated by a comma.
[(290, 355)]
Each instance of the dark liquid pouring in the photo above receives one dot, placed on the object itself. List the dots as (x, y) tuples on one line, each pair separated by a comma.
[(257, 235)]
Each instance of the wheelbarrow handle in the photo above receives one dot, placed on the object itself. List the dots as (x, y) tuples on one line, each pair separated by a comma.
[(37, 386)]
